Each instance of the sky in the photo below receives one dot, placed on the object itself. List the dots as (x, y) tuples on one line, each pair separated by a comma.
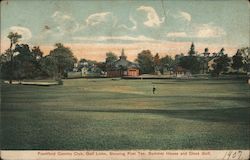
[(93, 27)]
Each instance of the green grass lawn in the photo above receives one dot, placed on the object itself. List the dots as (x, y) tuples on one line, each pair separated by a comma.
[(124, 114)]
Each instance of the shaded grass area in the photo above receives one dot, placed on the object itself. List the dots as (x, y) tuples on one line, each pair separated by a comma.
[(124, 114)]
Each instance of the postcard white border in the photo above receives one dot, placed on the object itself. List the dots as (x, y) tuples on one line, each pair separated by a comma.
[(126, 155)]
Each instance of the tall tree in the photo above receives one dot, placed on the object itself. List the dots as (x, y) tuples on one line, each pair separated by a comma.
[(36, 52), (221, 52), (192, 52), (157, 62), (110, 59), (167, 62), (26, 64), (146, 62), (49, 66), (221, 64), (245, 51), (237, 61), (14, 37), (64, 59), (190, 63)]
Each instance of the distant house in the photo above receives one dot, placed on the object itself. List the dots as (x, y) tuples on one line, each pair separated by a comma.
[(133, 71), (123, 67), (181, 72), (75, 69), (210, 64), (84, 69), (167, 71), (204, 65)]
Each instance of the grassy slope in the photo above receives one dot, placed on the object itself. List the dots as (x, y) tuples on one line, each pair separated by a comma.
[(106, 114)]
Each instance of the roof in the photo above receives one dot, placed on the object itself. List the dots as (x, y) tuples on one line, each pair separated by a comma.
[(124, 62)]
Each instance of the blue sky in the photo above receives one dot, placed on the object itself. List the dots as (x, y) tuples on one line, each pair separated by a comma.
[(91, 28)]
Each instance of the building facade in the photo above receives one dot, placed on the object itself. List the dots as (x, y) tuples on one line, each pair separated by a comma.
[(123, 67)]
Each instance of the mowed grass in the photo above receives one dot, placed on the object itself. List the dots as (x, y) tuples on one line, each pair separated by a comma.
[(103, 114)]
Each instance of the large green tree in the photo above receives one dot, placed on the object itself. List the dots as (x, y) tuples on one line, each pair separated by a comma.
[(64, 59), (190, 63), (167, 62), (36, 52), (110, 59), (245, 51), (192, 51), (237, 61), (157, 62), (24, 64), (49, 66), (146, 61), (14, 38), (221, 64)]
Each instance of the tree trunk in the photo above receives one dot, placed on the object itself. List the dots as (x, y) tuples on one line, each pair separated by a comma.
[(11, 63), (11, 68)]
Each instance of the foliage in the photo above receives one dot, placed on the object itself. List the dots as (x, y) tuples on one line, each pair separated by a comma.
[(167, 62), (190, 63), (221, 64), (110, 59), (49, 66), (14, 37), (192, 50), (245, 51), (5, 57), (237, 61), (36, 53), (157, 62), (101, 65), (64, 59), (146, 62), (221, 53), (24, 63)]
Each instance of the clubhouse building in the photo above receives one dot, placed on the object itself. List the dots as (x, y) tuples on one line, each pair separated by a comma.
[(122, 67)]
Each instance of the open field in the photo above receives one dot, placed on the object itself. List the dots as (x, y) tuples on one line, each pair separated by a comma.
[(124, 114)]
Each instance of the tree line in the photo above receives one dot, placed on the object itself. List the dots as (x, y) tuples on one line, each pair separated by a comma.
[(20, 61), (193, 61)]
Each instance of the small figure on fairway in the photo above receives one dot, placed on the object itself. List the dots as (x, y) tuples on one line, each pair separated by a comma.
[(154, 89)]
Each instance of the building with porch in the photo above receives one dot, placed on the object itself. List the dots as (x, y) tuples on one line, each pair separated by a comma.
[(123, 67)]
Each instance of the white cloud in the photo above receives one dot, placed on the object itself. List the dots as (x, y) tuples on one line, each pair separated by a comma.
[(185, 16), (140, 38), (129, 28), (97, 18), (60, 17), (65, 23), (25, 32), (177, 34), (208, 31), (200, 31), (153, 19)]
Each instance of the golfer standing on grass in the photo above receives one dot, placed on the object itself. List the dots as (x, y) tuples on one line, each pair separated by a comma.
[(154, 89)]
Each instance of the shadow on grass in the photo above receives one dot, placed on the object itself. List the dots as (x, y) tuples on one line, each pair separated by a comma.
[(210, 98), (212, 115)]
